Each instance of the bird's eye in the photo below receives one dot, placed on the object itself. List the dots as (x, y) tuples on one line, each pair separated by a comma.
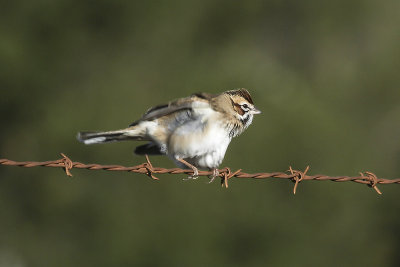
[(245, 106)]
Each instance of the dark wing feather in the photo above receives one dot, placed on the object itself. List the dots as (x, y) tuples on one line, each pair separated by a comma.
[(178, 105), (159, 111)]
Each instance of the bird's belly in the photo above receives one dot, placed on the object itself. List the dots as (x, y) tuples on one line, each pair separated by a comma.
[(209, 160), (202, 147)]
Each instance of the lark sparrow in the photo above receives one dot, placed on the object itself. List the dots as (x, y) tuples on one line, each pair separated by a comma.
[(194, 131)]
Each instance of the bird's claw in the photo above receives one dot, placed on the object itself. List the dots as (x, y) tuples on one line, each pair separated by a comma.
[(194, 176), (214, 175)]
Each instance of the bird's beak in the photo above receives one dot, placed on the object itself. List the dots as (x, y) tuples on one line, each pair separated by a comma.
[(255, 111)]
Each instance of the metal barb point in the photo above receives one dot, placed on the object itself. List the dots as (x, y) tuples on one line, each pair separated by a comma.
[(227, 174), (68, 164), (298, 177), (149, 168), (373, 179)]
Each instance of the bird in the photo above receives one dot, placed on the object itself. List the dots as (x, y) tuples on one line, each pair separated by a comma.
[(193, 131)]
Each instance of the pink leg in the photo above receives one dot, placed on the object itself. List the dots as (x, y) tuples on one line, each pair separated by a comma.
[(214, 175), (195, 174)]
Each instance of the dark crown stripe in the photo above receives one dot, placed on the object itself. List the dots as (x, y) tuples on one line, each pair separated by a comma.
[(241, 92)]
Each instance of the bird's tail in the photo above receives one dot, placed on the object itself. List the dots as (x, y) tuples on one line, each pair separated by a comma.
[(131, 133)]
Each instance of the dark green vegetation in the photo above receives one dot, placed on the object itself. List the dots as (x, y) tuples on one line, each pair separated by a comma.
[(325, 75)]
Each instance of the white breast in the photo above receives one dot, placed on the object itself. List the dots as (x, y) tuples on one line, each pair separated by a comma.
[(202, 142)]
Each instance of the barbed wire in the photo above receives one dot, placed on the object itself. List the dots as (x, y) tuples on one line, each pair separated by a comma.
[(225, 174)]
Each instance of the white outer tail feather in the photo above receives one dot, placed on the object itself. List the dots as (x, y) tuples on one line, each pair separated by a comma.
[(89, 138), (94, 140)]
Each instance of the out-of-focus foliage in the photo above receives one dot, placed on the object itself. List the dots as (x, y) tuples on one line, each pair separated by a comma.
[(324, 73)]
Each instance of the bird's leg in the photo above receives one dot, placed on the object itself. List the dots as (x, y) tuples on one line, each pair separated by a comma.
[(215, 173), (195, 174)]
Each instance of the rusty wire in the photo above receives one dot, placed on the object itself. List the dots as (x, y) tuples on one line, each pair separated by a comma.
[(225, 174)]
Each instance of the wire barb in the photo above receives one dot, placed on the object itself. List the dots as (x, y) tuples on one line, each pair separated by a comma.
[(227, 174), (373, 179), (68, 164), (147, 168), (298, 176)]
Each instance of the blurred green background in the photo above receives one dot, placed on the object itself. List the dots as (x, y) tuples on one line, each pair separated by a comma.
[(324, 73)]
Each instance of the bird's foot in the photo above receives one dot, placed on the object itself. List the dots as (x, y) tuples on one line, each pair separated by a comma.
[(195, 174), (214, 175)]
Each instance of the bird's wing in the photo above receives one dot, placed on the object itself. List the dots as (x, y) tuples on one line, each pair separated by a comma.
[(183, 104)]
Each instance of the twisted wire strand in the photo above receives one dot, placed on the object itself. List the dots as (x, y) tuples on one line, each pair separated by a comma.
[(225, 174)]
